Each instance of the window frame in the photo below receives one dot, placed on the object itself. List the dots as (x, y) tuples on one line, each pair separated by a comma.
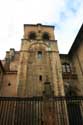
[(66, 68)]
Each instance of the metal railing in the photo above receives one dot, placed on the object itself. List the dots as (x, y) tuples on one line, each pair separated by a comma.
[(41, 111)]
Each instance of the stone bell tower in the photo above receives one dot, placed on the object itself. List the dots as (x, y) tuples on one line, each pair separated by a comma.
[(39, 61)]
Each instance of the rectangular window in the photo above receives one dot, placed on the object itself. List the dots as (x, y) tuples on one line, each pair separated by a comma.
[(68, 68), (40, 77), (63, 68)]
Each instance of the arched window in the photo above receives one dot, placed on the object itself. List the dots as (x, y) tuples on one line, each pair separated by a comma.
[(45, 36), (39, 54), (32, 35)]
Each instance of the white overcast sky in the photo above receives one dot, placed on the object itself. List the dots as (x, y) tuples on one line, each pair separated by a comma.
[(65, 15)]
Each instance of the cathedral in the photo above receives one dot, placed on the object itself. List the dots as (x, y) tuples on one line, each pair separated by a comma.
[(40, 86), (38, 68)]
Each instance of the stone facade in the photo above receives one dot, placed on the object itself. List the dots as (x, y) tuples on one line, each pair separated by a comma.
[(38, 61)]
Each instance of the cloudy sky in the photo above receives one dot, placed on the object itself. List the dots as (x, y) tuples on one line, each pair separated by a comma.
[(65, 15)]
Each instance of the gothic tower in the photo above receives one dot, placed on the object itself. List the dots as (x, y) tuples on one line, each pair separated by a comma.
[(39, 62)]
